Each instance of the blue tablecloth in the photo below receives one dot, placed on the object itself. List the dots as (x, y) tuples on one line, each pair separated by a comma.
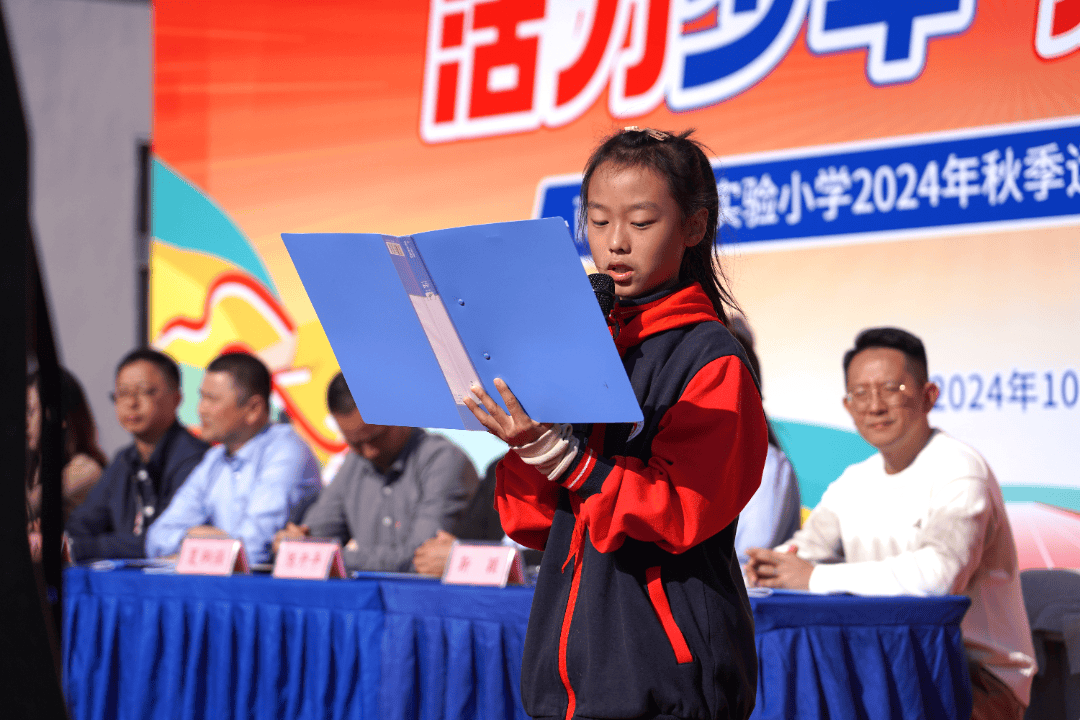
[(452, 651), (164, 646), (841, 656), (169, 646)]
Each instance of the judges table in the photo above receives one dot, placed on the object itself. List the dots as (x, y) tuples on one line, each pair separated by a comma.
[(140, 645)]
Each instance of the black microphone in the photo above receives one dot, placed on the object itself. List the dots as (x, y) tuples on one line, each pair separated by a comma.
[(604, 287)]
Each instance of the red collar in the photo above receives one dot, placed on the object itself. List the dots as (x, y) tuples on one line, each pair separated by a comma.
[(687, 306)]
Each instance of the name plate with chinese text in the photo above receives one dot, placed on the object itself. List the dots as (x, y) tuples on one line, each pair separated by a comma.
[(483, 564), (309, 560), (212, 556)]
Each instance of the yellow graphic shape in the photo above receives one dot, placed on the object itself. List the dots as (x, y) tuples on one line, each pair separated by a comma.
[(202, 305)]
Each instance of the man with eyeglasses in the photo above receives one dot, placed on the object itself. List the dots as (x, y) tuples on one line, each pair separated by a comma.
[(924, 516), (143, 477)]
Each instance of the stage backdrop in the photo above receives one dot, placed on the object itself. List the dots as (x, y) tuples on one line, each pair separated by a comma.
[(902, 163)]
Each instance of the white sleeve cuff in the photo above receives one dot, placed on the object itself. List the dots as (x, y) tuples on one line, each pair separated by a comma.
[(551, 453), (819, 581), (838, 578)]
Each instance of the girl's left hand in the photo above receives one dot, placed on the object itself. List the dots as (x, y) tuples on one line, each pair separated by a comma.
[(515, 429)]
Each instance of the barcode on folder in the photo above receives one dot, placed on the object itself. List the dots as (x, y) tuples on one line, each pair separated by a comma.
[(394, 248)]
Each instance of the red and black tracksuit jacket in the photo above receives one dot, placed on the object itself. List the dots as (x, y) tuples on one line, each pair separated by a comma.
[(640, 608)]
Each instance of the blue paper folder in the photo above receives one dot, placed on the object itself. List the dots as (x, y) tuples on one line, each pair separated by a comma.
[(411, 319)]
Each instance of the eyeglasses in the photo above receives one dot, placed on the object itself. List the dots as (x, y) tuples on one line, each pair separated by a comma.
[(134, 394), (891, 394)]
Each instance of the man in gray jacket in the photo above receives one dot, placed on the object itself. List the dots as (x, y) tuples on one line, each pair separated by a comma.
[(397, 488)]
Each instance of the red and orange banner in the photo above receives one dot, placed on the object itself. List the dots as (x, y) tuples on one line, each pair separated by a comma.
[(915, 164)]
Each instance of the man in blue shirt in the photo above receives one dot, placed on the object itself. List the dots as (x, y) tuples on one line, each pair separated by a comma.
[(250, 484), (143, 477)]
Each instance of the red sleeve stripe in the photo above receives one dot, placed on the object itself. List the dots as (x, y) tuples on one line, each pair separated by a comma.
[(585, 466)]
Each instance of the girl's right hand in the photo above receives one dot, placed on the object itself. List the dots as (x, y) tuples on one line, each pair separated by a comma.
[(516, 428)]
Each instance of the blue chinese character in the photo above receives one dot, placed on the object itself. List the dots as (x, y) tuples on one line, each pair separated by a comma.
[(895, 33), (747, 40), (1022, 389)]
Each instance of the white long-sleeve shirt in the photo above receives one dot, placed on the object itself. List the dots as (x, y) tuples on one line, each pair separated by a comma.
[(938, 527)]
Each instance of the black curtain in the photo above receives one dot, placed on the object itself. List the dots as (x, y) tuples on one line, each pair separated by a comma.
[(29, 596)]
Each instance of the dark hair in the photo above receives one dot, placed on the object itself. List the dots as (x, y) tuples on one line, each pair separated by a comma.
[(896, 339), (80, 431), (338, 398), (682, 162), (165, 364), (248, 373)]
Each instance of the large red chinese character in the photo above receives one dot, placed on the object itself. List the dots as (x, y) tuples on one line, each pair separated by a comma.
[(643, 77), (574, 79), (504, 71), (1057, 31), (627, 43), (498, 66), (453, 36)]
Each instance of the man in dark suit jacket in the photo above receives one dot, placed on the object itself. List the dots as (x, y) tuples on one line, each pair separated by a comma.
[(141, 480)]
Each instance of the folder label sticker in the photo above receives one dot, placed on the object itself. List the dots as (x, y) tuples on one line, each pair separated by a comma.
[(457, 368)]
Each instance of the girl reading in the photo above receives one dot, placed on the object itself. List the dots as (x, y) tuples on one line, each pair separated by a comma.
[(640, 609)]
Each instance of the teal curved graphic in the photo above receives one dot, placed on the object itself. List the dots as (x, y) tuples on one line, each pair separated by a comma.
[(183, 216), (819, 454), (190, 382), (1062, 497)]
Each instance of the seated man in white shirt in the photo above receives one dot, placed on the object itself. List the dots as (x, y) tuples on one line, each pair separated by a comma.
[(924, 516), (248, 486)]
